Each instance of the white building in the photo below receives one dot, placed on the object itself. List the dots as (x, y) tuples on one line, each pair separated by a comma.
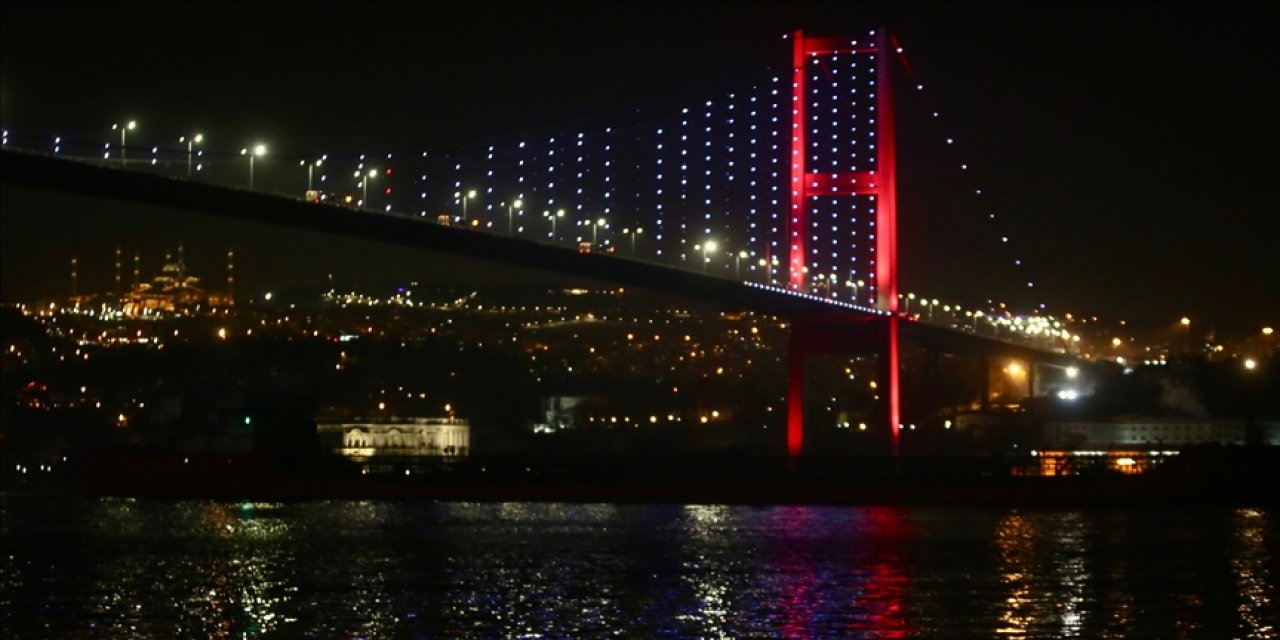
[(1146, 432), (363, 438)]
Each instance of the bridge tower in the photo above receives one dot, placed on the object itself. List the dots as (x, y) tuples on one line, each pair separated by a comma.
[(808, 187)]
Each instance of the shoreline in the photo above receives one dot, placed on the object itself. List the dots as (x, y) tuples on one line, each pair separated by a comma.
[(1230, 482)]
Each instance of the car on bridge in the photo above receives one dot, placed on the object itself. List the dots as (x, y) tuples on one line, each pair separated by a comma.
[(324, 197)]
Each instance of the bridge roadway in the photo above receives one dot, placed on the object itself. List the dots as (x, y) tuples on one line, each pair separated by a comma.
[(827, 326)]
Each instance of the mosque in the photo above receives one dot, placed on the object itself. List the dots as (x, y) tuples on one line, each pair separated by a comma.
[(174, 291)]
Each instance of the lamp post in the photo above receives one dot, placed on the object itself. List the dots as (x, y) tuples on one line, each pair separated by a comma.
[(594, 227), (1186, 338), (633, 233), (364, 186), (737, 264), (856, 284), (191, 141), (464, 197), (310, 171), (558, 214), (510, 214), (124, 128), (258, 150), (767, 265), (826, 282), (707, 248)]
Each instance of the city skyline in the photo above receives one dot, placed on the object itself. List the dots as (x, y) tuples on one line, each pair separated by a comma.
[(1131, 243), (749, 319)]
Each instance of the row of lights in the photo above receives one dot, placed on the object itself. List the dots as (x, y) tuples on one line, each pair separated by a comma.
[(1017, 263)]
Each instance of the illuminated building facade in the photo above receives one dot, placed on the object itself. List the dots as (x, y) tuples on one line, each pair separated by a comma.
[(173, 291), (1149, 432), (363, 439)]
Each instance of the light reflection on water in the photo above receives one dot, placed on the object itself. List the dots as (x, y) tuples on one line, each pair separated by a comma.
[(1254, 582), (123, 568)]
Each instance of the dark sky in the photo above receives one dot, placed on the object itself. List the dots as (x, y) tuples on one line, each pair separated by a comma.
[(1131, 150)]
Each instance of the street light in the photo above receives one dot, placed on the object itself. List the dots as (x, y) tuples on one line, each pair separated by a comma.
[(190, 140), (707, 248), (831, 282), (310, 169), (558, 214), (124, 128), (929, 304), (1186, 344), (364, 186), (510, 212), (464, 197), (768, 265), (737, 264), (594, 226), (258, 150), (856, 285), (633, 233)]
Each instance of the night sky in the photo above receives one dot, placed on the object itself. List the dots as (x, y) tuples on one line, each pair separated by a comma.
[(1130, 150)]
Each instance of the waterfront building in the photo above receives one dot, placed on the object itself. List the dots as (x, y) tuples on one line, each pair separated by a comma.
[(362, 439), (1146, 432), (1137, 445)]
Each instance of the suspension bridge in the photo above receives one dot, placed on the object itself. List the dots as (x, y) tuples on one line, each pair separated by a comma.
[(779, 196)]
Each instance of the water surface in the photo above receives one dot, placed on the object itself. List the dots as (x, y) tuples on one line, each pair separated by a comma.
[(76, 567)]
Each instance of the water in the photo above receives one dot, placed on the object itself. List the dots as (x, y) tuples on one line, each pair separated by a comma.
[(78, 567)]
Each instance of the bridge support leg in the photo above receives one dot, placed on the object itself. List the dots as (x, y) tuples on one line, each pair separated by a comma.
[(895, 384), (795, 395), (890, 375)]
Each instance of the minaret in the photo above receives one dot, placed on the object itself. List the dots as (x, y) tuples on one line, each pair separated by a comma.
[(231, 275), (73, 276), (137, 269), (182, 263), (119, 290)]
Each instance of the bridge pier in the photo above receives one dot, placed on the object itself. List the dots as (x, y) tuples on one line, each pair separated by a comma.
[(811, 337), (893, 375), (796, 357)]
